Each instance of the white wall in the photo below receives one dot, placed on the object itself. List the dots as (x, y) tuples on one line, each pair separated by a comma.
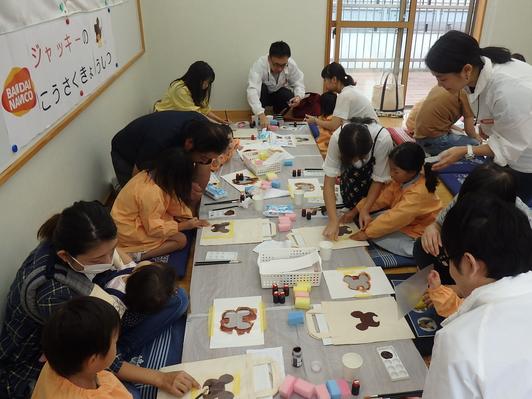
[(75, 165), (509, 24), (230, 35)]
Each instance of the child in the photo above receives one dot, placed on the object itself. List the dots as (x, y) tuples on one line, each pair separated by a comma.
[(234, 144), (409, 202), (79, 343), (327, 104), (191, 92), (152, 210)]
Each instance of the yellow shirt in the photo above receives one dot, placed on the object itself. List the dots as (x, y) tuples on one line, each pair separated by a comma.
[(144, 214), (410, 209), (178, 98), (51, 385)]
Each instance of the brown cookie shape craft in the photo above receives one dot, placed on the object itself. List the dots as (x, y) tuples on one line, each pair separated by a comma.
[(245, 181), (304, 186), (220, 227), (360, 282), (240, 320), (344, 230), (216, 387), (366, 320)]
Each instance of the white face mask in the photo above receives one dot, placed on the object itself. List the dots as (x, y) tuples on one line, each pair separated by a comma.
[(92, 270)]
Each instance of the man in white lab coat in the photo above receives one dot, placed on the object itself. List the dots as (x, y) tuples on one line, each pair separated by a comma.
[(484, 350), (274, 80)]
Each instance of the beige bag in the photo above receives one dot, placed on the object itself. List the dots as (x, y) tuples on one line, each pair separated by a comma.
[(229, 377), (388, 96), (360, 321)]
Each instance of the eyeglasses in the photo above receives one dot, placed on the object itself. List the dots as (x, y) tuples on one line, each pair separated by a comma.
[(443, 258), (282, 66)]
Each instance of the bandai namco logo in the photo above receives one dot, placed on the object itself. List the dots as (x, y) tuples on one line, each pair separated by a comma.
[(18, 96)]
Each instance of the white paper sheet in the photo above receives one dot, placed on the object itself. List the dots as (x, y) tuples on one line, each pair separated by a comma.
[(311, 237), (272, 244), (410, 291), (221, 339), (276, 266), (339, 289)]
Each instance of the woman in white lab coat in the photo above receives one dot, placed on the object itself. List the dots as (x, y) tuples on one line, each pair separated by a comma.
[(500, 93), (483, 350)]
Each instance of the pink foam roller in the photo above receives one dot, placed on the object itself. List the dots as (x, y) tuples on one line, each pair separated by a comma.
[(301, 294), (287, 387), (344, 388), (322, 392), (273, 128), (292, 216), (257, 162), (304, 388), (284, 219), (283, 227)]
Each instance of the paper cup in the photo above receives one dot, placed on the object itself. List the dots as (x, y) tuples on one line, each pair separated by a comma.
[(258, 202), (326, 250), (351, 364), (298, 197)]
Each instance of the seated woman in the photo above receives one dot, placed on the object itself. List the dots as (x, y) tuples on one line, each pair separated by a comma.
[(191, 92), (408, 203), (152, 211), (75, 246), (358, 154)]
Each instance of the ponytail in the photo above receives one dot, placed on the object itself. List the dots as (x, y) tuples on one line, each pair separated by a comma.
[(354, 143), (431, 180), (336, 70), (451, 52), (79, 227), (46, 231), (365, 120), (497, 55)]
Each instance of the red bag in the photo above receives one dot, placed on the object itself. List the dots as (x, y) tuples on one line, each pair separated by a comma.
[(309, 105)]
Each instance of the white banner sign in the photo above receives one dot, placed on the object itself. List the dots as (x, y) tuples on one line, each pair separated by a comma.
[(50, 68), (18, 14)]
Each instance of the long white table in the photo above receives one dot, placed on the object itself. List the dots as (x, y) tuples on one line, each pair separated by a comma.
[(225, 281)]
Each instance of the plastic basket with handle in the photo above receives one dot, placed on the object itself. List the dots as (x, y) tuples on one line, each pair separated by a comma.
[(290, 278), (249, 158)]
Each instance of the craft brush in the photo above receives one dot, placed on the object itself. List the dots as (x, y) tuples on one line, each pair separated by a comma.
[(233, 201), (313, 169), (396, 395), (216, 262), (225, 207)]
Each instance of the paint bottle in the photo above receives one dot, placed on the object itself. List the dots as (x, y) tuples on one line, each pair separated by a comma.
[(281, 297), (355, 388), (275, 287), (286, 290), (297, 357), (276, 297), (303, 212)]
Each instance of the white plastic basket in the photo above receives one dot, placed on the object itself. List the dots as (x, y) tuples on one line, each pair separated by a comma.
[(249, 158), (290, 278)]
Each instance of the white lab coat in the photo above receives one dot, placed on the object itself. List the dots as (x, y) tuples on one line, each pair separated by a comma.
[(484, 350), (291, 77), (502, 101)]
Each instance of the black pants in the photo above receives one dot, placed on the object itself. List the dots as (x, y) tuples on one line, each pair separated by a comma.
[(524, 185), (424, 259), (123, 169), (279, 99)]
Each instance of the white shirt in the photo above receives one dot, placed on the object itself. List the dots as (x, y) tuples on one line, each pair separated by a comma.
[(291, 77), (484, 350), (503, 100), (351, 103), (332, 166)]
